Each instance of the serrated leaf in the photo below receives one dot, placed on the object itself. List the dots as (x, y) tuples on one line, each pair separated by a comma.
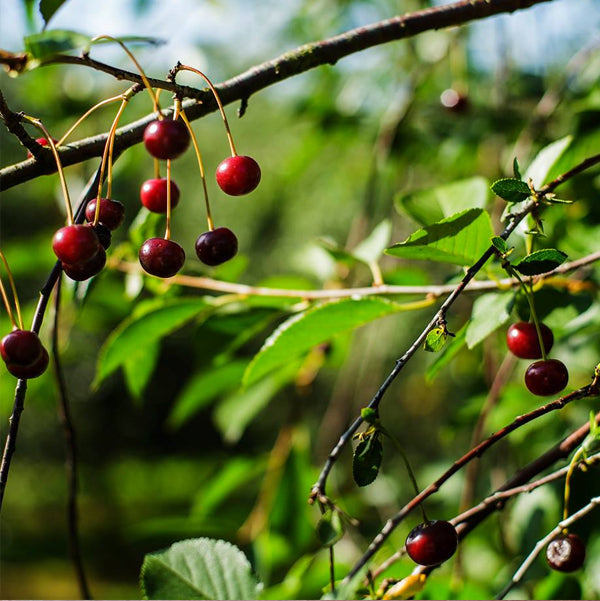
[(55, 41), (136, 332), (366, 460), (540, 261), (200, 568), (435, 340), (330, 528), (500, 244), (511, 190), (48, 8), (490, 311), (460, 239), (320, 323)]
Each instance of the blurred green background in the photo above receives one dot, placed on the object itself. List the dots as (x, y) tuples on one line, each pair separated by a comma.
[(337, 146)]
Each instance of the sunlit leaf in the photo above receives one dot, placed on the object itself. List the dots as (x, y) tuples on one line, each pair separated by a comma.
[(435, 340), (489, 312), (371, 248), (55, 41)]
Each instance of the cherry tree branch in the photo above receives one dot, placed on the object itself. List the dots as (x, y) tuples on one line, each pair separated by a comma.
[(259, 77)]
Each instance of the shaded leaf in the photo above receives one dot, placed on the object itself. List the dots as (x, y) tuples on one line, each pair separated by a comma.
[(490, 311), (460, 239), (366, 460), (140, 368), (330, 528), (48, 8), (540, 261), (199, 568), (511, 190), (516, 169), (55, 41)]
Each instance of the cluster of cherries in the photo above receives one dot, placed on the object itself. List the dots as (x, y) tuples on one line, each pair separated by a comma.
[(167, 139), (547, 376)]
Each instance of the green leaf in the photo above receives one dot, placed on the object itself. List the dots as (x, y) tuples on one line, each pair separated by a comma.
[(318, 324), (369, 415), (511, 190), (366, 460), (140, 368), (55, 41), (371, 248), (490, 311), (516, 169), (330, 528), (435, 340), (448, 353), (545, 159), (434, 204), (500, 244), (131, 338), (130, 39), (460, 239), (48, 8), (540, 261), (200, 568), (203, 388)]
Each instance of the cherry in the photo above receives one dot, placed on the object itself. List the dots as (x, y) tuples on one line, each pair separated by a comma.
[(112, 212), (432, 543), (21, 346), (161, 257), (153, 195), (84, 271), (238, 175), (216, 246), (566, 553), (523, 342), (104, 235), (30, 370), (75, 243), (166, 138), (41, 142), (545, 378)]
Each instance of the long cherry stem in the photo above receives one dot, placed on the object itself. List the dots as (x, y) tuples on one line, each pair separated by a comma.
[(13, 288), (7, 305)]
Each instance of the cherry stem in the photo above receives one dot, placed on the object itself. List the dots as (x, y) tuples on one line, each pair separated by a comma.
[(572, 465), (7, 305), (13, 288), (61, 175), (209, 219), (153, 95), (180, 67), (168, 228), (156, 169)]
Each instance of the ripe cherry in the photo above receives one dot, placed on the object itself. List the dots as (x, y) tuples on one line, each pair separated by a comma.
[(432, 543), (523, 342), (21, 346), (30, 370), (41, 142), (75, 243), (216, 246), (545, 378), (566, 553), (84, 271), (238, 175), (166, 138), (112, 212), (161, 257), (153, 195), (104, 235)]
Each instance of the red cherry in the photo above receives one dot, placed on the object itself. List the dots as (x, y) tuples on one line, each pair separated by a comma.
[(41, 142), (566, 553), (161, 257), (166, 138), (75, 243), (31, 370), (523, 342), (216, 246), (21, 346), (432, 543), (104, 235), (545, 378), (153, 195), (238, 175), (84, 271), (112, 212)]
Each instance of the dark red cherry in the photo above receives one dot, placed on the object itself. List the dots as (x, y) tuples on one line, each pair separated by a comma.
[(112, 212), (31, 370), (75, 243), (566, 553), (166, 138), (104, 235), (84, 271), (216, 246), (161, 257), (238, 175), (21, 346), (153, 195), (523, 342), (545, 378), (432, 543)]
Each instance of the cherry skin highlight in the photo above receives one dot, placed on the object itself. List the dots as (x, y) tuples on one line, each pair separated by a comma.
[(566, 553), (153, 195), (216, 246), (432, 543), (112, 212), (545, 378), (75, 243), (31, 370), (161, 257), (21, 346), (523, 342), (166, 138), (238, 175), (84, 271)]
